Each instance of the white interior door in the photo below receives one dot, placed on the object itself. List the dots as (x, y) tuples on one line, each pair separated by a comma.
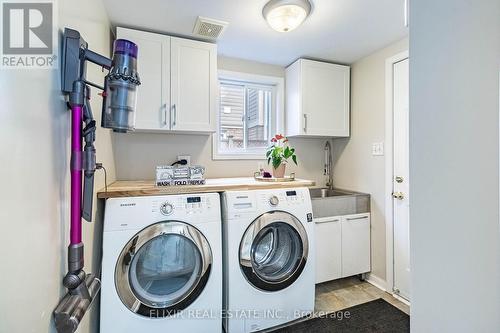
[(400, 180)]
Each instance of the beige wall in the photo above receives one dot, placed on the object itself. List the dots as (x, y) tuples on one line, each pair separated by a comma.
[(35, 177), (137, 154), (355, 167)]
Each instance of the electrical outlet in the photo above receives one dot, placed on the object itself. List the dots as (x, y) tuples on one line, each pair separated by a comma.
[(185, 157), (378, 149)]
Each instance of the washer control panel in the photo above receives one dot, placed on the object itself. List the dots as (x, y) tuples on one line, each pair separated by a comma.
[(138, 212), (196, 204), (166, 208), (184, 205)]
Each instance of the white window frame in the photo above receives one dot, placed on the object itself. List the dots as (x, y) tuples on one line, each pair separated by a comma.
[(277, 122)]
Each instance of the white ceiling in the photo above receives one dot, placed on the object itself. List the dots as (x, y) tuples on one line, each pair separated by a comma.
[(337, 30)]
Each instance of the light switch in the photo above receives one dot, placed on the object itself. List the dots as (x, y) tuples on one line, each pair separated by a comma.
[(378, 149)]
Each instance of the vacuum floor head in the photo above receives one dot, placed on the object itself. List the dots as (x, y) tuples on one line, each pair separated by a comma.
[(71, 309)]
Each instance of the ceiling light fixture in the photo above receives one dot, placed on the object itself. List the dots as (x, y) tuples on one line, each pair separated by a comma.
[(286, 15)]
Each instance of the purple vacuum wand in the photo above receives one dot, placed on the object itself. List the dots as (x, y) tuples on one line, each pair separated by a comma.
[(119, 92), (76, 175)]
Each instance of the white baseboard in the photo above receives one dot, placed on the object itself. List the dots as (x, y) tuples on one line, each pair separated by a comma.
[(401, 299), (376, 281), (382, 285)]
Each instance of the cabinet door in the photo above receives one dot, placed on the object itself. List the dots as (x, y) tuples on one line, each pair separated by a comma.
[(325, 93), (328, 248), (355, 244), (153, 66), (194, 85), (294, 122)]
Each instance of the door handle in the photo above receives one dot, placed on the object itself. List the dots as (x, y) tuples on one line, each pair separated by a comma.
[(305, 122), (398, 195), (356, 218), (174, 110), (327, 221), (164, 114)]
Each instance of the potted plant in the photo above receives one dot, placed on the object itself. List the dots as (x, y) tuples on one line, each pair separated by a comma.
[(279, 153)]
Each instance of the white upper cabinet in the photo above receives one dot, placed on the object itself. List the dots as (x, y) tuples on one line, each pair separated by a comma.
[(317, 99), (153, 66), (178, 83), (194, 85)]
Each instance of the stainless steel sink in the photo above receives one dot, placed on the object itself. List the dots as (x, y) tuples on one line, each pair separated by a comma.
[(325, 193), (335, 202)]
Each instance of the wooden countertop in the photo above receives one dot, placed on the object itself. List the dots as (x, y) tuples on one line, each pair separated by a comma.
[(136, 188)]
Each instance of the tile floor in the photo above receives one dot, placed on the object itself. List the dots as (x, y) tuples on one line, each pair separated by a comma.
[(340, 294)]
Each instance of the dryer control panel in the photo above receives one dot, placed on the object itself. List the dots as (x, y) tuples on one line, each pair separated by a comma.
[(238, 203), (283, 198)]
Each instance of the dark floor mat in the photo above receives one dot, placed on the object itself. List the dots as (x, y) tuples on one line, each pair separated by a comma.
[(375, 317)]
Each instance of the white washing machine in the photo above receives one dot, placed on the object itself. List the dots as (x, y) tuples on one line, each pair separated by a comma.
[(268, 258), (162, 265)]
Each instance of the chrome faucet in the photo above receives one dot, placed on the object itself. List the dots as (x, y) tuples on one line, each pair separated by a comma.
[(328, 168)]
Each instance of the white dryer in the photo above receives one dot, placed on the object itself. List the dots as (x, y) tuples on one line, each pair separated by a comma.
[(162, 266), (269, 258)]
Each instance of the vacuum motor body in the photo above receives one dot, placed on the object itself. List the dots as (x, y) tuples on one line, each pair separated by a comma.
[(121, 88)]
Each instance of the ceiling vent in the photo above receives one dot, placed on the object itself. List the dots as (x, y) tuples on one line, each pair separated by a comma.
[(209, 28)]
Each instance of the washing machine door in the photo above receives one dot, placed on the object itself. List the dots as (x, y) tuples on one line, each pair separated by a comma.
[(273, 251), (163, 269)]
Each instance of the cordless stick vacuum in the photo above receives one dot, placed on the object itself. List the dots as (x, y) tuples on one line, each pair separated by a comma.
[(119, 96)]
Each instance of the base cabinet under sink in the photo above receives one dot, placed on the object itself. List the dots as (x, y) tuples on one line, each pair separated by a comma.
[(328, 248), (342, 246)]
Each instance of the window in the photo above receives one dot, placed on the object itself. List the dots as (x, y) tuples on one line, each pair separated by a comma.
[(244, 116), (247, 115)]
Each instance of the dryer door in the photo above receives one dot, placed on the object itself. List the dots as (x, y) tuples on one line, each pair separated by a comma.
[(273, 251), (163, 269)]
